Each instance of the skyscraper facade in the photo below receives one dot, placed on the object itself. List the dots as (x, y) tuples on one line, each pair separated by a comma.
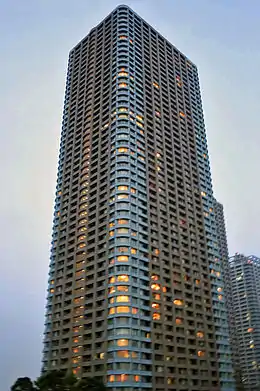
[(136, 283), (245, 289)]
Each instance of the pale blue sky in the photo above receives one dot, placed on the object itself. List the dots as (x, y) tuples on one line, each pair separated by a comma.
[(221, 36)]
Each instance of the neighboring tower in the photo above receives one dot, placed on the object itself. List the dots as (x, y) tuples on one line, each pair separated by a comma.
[(135, 288), (245, 287)]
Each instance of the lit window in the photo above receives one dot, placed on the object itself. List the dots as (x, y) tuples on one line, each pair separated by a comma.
[(111, 233), (250, 330), (200, 334), (122, 221), (197, 282), (123, 74), (121, 309), (133, 251), (122, 37), (122, 230), (182, 115), (133, 190), (203, 194), (178, 302), (156, 296), (75, 350), (111, 378), (122, 85), (220, 297), (122, 150), (155, 287), (122, 196), (122, 299), (123, 278), (122, 109), (156, 316), (123, 353), (134, 311), (122, 342), (112, 290), (112, 280), (122, 249), (112, 311), (139, 124), (252, 346), (123, 258), (156, 306), (155, 277), (201, 353), (156, 251), (112, 300), (178, 321), (52, 290), (156, 85), (136, 378), (122, 288), (111, 224)]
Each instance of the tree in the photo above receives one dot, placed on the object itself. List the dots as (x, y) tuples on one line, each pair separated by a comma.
[(23, 384), (91, 384), (51, 381)]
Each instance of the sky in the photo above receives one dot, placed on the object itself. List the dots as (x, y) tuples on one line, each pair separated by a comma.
[(221, 36)]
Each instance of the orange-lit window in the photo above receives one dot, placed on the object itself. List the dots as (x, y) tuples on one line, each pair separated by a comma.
[(122, 299), (178, 302), (203, 194), (122, 196), (112, 311), (139, 124), (82, 237), (178, 321), (123, 258), (123, 353), (220, 297), (133, 191), (133, 251), (122, 288), (200, 334), (111, 378), (122, 221), (182, 114), (122, 109), (197, 282), (111, 224), (156, 85), (112, 300), (122, 37), (112, 261), (250, 330), (75, 350), (164, 289), (75, 340), (112, 280), (123, 278), (155, 277), (121, 309), (156, 296), (81, 245), (122, 378), (111, 233), (122, 85), (155, 287), (201, 353), (139, 117), (136, 378), (156, 306), (134, 311), (122, 150), (52, 290), (112, 290), (156, 251), (122, 342), (156, 316), (122, 74)]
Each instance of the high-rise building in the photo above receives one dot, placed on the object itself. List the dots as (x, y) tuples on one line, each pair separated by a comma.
[(136, 282), (245, 289)]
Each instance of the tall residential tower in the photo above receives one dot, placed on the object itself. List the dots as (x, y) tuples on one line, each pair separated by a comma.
[(245, 288), (136, 282)]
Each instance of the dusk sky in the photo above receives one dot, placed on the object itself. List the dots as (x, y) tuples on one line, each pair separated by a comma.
[(221, 36)]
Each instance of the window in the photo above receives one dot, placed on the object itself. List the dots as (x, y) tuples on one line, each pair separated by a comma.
[(123, 258), (122, 196), (178, 321), (178, 302), (155, 287), (122, 288), (121, 309), (122, 221), (122, 299), (122, 342), (156, 316), (123, 278), (122, 150), (200, 334), (201, 353)]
